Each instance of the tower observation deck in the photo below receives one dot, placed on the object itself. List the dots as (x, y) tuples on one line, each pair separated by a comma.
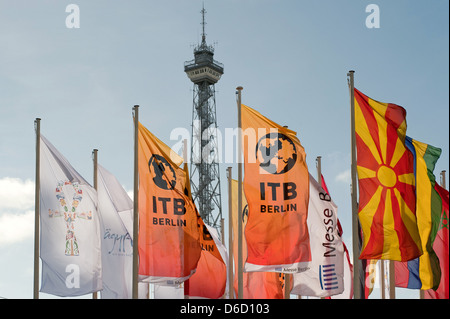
[(205, 72)]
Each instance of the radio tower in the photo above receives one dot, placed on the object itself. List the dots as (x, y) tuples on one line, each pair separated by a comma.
[(204, 72)]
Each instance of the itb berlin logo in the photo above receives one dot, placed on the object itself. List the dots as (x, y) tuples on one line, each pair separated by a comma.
[(276, 153), (163, 173)]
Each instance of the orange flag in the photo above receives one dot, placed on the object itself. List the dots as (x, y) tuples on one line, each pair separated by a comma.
[(210, 278), (276, 186), (256, 285), (169, 240)]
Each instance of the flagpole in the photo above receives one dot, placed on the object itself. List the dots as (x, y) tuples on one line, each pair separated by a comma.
[(391, 279), (287, 278), (185, 158), (319, 169), (319, 177), (135, 205), (230, 236), (240, 259), (357, 269), (382, 279), (443, 179), (37, 125), (94, 153)]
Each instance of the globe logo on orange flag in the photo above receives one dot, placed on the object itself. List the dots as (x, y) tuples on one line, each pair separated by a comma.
[(162, 172), (276, 153)]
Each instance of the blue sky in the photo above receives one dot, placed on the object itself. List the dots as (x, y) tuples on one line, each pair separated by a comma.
[(291, 57)]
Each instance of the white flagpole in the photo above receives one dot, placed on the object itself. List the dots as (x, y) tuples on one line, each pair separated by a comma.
[(230, 236), (135, 292), (240, 259), (357, 269), (37, 124)]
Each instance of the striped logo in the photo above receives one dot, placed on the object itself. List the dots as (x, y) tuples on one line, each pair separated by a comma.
[(328, 277)]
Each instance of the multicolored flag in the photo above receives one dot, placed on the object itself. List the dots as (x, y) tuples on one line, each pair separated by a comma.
[(256, 285), (424, 272), (441, 248), (276, 185), (169, 237), (326, 272), (387, 202), (70, 228)]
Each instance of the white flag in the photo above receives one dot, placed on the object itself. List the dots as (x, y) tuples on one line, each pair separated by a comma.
[(169, 292), (325, 275), (348, 278), (117, 243), (70, 228)]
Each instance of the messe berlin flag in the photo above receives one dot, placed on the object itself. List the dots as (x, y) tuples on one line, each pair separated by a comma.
[(387, 201), (276, 185), (326, 272), (70, 228), (169, 236)]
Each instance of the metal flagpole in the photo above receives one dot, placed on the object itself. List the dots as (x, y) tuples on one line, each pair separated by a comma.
[(391, 279), (319, 176), (185, 283), (230, 236), (357, 269), (135, 205), (94, 153), (240, 259), (185, 158), (443, 179), (319, 169), (382, 279), (287, 277), (37, 126)]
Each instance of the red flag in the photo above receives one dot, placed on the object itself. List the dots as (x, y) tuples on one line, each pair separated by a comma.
[(441, 249)]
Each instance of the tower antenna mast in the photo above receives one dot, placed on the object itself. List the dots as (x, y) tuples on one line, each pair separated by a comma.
[(205, 72)]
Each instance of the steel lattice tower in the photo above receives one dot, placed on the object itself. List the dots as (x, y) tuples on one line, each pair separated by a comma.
[(204, 72)]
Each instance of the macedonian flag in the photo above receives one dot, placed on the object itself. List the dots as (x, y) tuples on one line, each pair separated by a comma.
[(387, 202)]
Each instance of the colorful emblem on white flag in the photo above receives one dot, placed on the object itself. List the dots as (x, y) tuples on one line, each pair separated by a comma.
[(70, 233)]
